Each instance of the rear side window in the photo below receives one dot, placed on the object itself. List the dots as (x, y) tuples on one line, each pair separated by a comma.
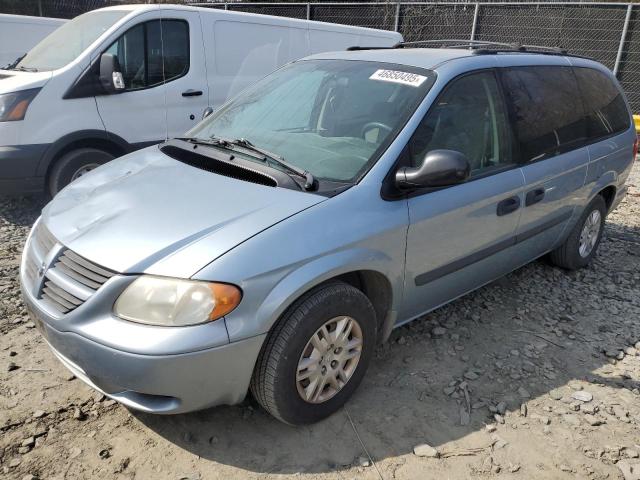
[(606, 111), (546, 109), (153, 53)]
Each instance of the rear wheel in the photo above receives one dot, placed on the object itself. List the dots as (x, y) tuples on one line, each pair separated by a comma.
[(583, 241), (74, 164), (317, 354)]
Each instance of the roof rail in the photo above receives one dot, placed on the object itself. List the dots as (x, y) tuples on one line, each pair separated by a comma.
[(357, 47), (477, 46), (456, 43)]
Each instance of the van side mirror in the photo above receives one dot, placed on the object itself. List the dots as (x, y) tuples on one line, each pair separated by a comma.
[(110, 75), (440, 168), (207, 111)]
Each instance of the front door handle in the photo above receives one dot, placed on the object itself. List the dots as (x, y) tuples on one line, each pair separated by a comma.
[(192, 93), (508, 205), (534, 196)]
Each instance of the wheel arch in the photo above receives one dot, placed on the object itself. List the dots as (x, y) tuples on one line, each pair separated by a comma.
[(607, 186), (100, 139), (362, 268), (377, 287), (609, 195)]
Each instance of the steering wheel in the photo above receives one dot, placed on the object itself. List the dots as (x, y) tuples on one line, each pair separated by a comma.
[(372, 125)]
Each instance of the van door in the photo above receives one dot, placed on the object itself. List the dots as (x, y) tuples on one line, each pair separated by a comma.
[(137, 114), (162, 63), (460, 237), (185, 70), (550, 127)]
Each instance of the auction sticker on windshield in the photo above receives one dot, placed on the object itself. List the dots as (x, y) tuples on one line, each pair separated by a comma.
[(396, 76)]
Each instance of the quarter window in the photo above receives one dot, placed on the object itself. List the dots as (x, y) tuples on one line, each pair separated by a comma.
[(468, 117), (546, 109), (153, 53), (606, 111)]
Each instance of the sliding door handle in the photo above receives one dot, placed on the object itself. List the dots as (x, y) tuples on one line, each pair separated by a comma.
[(534, 196), (192, 93), (508, 205)]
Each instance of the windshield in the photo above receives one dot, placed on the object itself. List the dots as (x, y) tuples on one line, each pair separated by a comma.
[(70, 40), (331, 118)]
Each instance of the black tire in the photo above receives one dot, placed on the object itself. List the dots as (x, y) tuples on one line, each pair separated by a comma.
[(274, 378), (568, 255), (72, 162)]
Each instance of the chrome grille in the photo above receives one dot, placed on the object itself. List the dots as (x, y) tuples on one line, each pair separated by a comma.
[(71, 280), (39, 247)]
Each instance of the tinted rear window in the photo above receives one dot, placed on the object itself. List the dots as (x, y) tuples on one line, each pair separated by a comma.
[(606, 111), (546, 109)]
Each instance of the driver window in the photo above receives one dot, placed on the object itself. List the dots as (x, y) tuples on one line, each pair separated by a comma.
[(143, 60), (468, 117)]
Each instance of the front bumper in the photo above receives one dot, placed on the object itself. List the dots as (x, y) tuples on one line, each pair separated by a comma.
[(153, 369), (158, 384), (18, 166)]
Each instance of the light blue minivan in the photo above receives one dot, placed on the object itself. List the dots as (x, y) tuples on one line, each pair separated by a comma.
[(275, 244)]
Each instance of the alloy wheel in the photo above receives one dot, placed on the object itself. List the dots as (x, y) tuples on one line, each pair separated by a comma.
[(590, 233), (329, 359)]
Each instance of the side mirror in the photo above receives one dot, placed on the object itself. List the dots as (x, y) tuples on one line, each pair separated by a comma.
[(207, 111), (439, 168), (110, 74)]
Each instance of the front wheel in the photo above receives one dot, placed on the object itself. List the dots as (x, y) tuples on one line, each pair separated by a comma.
[(317, 354), (583, 241), (74, 164)]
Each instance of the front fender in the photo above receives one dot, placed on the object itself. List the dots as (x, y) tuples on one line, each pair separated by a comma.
[(293, 283), (355, 230)]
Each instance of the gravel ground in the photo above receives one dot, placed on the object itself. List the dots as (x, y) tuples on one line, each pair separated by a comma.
[(533, 376)]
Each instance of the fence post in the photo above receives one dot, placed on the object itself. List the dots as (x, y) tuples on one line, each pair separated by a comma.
[(623, 37), (308, 11), (396, 23), (475, 22)]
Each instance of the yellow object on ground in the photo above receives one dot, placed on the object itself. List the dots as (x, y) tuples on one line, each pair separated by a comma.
[(636, 121)]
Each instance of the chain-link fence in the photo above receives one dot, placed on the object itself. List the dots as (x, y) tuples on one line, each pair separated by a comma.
[(54, 8), (608, 32)]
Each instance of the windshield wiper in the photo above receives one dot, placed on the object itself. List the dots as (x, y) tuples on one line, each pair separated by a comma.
[(218, 142), (264, 155), (13, 64), (309, 180), (26, 69)]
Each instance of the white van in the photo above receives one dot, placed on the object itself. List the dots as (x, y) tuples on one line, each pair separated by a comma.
[(121, 78), (20, 33)]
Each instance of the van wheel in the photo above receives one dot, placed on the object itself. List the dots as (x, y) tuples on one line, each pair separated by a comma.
[(317, 354), (581, 244), (72, 165)]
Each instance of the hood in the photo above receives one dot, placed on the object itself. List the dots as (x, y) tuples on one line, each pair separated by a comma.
[(15, 80), (148, 213)]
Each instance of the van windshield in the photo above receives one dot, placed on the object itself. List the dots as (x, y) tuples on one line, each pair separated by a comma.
[(70, 40), (332, 118)]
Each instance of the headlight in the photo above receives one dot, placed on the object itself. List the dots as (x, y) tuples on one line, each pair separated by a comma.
[(174, 302), (13, 106)]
